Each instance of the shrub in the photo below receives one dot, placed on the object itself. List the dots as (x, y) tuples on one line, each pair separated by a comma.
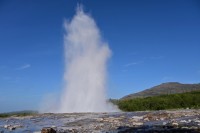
[(172, 101)]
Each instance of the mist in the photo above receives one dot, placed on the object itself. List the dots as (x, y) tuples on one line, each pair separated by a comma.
[(86, 56)]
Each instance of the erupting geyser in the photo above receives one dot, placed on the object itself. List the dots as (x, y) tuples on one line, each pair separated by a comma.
[(86, 56)]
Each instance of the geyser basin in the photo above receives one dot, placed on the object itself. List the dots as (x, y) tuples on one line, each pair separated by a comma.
[(86, 56)]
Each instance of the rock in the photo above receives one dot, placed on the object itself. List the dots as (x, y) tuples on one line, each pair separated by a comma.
[(197, 121), (97, 128), (137, 123), (193, 127), (146, 119), (137, 118), (48, 130), (141, 122), (183, 121), (73, 130), (6, 126), (17, 126), (100, 119), (53, 126), (162, 119), (164, 123), (184, 127), (174, 124), (11, 128)]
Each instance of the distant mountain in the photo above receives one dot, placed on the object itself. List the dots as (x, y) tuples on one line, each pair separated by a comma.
[(165, 88)]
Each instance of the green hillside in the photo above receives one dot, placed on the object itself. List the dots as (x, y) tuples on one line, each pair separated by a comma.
[(171, 101)]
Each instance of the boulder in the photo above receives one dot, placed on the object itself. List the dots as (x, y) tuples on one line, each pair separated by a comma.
[(48, 130), (137, 123)]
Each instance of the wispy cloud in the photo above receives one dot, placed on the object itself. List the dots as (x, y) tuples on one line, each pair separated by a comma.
[(132, 64), (156, 57), (133, 53), (24, 67)]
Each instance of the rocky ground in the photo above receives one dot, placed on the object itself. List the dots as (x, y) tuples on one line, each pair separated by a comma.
[(174, 121)]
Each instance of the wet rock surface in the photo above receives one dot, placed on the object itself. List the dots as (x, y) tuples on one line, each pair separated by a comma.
[(48, 130), (176, 121)]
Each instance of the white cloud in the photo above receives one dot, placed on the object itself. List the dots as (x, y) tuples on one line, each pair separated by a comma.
[(132, 64), (24, 67)]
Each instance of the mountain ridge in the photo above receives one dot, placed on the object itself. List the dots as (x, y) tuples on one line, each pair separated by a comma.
[(164, 88)]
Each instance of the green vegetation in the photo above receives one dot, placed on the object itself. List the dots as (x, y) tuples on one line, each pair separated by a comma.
[(172, 101), (18, 114)]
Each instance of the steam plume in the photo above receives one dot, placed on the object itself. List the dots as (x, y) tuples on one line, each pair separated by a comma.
[(86, 56)]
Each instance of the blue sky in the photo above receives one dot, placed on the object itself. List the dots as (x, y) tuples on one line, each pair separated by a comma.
[(152, 41)]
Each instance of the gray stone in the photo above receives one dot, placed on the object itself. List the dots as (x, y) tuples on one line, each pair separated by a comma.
[(164, 123)]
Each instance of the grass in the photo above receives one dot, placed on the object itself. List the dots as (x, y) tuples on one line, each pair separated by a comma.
[(18, 114), (162, 102)]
